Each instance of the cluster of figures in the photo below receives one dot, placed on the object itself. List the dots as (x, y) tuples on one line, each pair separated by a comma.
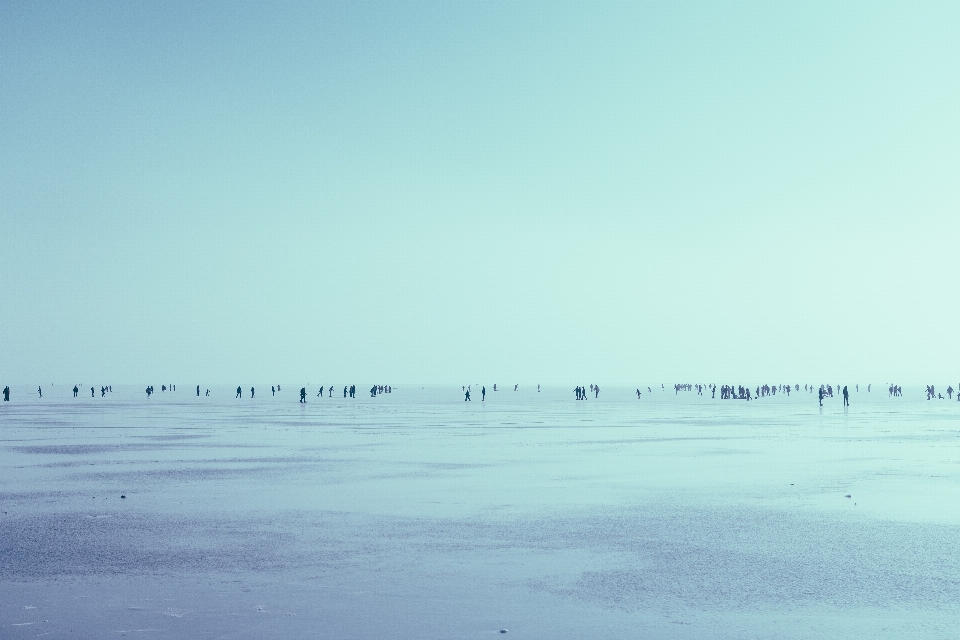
[(729, 392), (827, 391), (581, 392), (150, 390), (93, 394), (895, 390), (932, 393), (381, 388), (648, 391)]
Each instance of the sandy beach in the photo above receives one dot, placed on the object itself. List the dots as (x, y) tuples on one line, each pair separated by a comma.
[(415, 514)]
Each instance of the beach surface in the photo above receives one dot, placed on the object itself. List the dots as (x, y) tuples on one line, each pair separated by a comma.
[(418, 515)]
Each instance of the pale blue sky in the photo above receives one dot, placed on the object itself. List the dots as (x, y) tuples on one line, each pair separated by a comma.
[(454, 192)]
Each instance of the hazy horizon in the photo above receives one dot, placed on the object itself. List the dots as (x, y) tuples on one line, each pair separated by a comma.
[(560, 193)]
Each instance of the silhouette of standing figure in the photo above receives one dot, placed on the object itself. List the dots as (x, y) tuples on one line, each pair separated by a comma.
[(344, 392), (198, 391), (273, 391), (303, 395), (239, 392), (821, 395), (75, 391), (466, 397), (6, 394), (483, 394), (846, 397), (251, 392), (40, 391)]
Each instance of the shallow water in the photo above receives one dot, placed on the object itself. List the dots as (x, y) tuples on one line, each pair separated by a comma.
[(415, 514)]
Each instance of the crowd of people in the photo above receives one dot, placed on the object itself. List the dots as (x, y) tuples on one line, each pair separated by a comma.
[(727, 391)]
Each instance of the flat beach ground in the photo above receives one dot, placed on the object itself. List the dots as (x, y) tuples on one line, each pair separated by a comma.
[(417, 515)]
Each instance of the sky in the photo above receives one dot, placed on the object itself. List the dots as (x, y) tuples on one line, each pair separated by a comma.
[(458, 192)]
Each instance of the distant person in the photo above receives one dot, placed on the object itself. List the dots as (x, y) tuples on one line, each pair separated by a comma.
[(40, 391), (208, 393), (331, 392), (239, 392), (373, 391), (6, 394), (515, 387), (494, 386), (821, 395), (483, 394), (103, 392), (538, 388), (344, 391), (163, 387), (320, 393), (198, 391), (466, 396), (303, 395), (75, 391), (92, 394), (596, 391), (353, 391), (273, 391)]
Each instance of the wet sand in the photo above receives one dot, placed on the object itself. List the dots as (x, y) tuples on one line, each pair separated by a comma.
[(415, 514)]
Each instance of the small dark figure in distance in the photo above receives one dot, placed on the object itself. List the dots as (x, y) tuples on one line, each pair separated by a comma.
[(303, 395), (239, 392)]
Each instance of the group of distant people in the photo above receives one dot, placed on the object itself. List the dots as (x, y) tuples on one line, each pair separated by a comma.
[(581, 392), (932, 393)]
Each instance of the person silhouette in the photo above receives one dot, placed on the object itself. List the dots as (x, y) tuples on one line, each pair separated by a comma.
[(92, 394), (303, 395), (846, 397), (344, 391), (40, 391), (239, 392), (483, 394), (208, 393), (466, 396), (75, 391), (198, 391), (251, 392), (330, 395), (273, 391), (6, 394)]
